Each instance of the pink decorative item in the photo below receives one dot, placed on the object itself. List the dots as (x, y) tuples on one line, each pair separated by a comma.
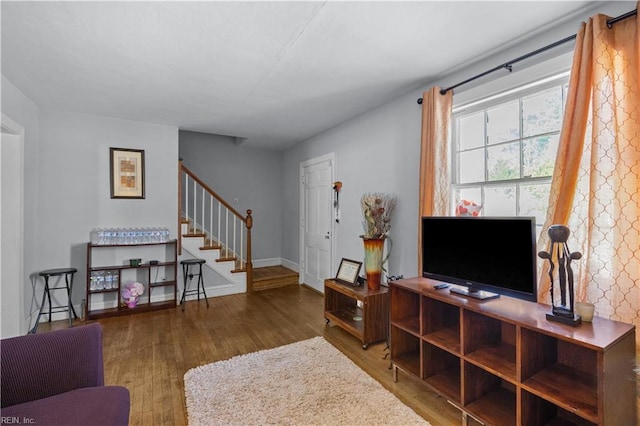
[(131, 293), (468, 208)]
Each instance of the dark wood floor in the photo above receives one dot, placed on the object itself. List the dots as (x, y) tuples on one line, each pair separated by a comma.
[(149, 353)]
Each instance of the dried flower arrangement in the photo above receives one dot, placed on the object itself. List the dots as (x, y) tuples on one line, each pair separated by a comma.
[(377, 209)]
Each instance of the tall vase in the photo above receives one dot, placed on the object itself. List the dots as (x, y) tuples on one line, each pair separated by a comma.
[(373, 251)]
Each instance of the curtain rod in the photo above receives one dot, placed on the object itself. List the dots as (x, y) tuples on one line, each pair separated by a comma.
[(509, 65)]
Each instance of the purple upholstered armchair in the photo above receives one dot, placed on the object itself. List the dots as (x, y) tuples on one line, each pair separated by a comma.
[(57, 378)]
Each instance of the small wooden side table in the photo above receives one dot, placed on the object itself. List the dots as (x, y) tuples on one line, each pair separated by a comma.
[(368, 322)]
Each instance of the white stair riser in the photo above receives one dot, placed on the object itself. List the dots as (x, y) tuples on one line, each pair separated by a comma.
[(237, 281)]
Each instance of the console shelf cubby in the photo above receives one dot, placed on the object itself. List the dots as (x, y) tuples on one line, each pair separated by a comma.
[(442, 372), (488, 397), (406, 351), (441, 325), (491, 344), (502, 363), (405, 311)]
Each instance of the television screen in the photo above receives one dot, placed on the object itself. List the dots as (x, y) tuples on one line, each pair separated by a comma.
[(487, 254)]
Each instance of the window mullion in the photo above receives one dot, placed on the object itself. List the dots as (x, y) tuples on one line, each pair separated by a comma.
[(486, 144), (521, 145)]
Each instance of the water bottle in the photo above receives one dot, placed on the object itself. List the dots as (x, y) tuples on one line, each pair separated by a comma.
[(115, 280), (101, 236), (99, 281), (92, 281), (145, 236), (108, 280)]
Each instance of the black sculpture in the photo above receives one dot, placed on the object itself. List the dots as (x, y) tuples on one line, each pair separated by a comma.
[(564, 313)]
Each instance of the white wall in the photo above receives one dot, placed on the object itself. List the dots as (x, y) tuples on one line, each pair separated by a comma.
[(250, 176), (17, 107), (74, 188), (376, 152), (67, 192), (379, 150)]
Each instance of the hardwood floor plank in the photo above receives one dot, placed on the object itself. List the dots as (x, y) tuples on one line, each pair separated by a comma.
[(149, 353)]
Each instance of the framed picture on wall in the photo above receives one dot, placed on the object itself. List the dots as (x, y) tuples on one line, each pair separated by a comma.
[(127, 172), (348, 271)]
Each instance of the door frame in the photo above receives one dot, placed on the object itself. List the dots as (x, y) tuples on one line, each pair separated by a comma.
[(331, 158), (17, 289)]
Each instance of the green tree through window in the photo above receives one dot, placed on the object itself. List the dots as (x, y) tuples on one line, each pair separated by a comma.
[(505, 149)]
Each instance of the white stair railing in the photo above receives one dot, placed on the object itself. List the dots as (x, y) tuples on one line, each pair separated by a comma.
[(209, 214)]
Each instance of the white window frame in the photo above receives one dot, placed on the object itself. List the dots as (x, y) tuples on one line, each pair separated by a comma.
[(488, 102)]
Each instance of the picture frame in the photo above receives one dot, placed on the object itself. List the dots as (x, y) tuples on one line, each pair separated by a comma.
[(348, 271), (127, 173)]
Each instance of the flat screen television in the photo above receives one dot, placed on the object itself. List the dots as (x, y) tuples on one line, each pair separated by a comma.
[(484, 256)]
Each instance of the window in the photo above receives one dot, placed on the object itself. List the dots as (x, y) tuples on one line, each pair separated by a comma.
[(505, 147)]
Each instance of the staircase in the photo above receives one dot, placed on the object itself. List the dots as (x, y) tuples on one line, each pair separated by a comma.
[(212, 230), (223, 274)]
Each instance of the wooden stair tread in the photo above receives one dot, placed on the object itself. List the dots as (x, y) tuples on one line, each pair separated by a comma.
[(273, 277), (192, 235), (214, 247)]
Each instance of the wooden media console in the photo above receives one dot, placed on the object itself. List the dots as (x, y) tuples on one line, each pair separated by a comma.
[(502, 363)]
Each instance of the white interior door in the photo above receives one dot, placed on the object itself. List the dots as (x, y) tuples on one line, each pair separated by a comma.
[(316, 221)]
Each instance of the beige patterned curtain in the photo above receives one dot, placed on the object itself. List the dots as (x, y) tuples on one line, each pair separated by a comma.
[(435, 153), (596, 184)]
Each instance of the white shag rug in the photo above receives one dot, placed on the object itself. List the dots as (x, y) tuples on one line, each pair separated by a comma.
[(304, 383)]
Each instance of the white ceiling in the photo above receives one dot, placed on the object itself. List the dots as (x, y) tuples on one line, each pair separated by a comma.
[(274, 73)]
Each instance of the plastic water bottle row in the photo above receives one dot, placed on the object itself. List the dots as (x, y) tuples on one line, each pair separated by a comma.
[(104, 280), (121, 236)]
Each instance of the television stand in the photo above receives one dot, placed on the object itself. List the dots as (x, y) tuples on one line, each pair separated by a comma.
[(476, 294), (501, 362)]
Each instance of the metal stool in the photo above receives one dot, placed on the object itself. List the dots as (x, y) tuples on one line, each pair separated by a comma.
[(186, 264), (67, 272)]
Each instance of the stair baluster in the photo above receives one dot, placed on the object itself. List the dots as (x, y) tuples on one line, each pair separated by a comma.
[(205, 211)]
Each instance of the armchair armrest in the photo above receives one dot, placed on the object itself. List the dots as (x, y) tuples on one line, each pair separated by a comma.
[(37, 366)]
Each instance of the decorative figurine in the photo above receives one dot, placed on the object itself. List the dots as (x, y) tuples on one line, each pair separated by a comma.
[(564, 313)]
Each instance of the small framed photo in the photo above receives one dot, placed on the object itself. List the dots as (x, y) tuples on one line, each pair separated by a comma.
[(348, 271), (127, 172)]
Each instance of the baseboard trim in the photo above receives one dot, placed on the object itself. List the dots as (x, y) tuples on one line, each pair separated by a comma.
[(277, 261), (290, 265), (262, 263)]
